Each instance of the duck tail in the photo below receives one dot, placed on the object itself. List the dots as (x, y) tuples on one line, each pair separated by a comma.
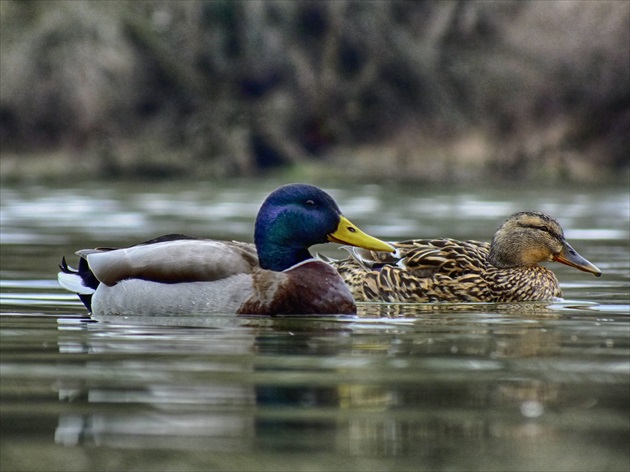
[(80, 281)]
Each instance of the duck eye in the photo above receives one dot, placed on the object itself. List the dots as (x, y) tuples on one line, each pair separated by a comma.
[(550, 232), (310, 203)]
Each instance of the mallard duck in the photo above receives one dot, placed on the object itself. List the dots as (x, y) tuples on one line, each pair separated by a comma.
[(181, 275), (448, 270)]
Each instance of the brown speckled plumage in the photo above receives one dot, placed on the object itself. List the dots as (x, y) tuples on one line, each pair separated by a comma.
[(449, 270)]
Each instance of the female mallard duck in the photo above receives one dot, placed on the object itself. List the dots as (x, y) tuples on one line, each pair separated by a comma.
[(176, 274), (447, 270)]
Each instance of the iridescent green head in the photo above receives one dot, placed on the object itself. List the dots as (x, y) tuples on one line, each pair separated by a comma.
[(297, 216)]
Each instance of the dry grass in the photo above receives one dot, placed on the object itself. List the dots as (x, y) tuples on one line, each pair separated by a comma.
[(443, 90)]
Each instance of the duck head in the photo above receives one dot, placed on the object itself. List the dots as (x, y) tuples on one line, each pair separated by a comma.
[(297, 216), (527, 238)]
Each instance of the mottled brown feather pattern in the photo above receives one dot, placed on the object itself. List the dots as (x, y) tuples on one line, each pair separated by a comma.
[(449, 270), (446, 270)]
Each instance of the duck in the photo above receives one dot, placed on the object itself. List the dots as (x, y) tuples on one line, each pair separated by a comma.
[(176, 274), (450, 270)]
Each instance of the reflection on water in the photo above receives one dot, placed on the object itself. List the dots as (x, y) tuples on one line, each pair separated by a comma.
[(410, 391), (431, 393), (530, 386)]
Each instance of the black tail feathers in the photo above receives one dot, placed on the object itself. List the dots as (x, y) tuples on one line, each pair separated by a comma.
[(88, 278)]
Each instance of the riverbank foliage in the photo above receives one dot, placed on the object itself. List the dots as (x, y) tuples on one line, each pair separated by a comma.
[(433, 91)]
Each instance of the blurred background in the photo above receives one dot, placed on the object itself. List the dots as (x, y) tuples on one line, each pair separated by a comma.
[(433, 91), (122, 120)]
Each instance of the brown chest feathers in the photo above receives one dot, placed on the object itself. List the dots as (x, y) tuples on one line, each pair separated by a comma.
[(311, 287)]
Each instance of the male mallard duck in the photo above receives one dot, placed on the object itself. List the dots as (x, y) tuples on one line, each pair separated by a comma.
[(447, 270), (176, 274)]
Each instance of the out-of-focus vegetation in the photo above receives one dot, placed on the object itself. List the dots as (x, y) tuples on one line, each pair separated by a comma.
[(432, 90)]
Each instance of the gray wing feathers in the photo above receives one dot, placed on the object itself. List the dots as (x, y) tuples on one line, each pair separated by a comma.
[(172, 261)]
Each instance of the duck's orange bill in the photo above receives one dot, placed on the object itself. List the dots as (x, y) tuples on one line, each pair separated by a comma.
[(570, 257)]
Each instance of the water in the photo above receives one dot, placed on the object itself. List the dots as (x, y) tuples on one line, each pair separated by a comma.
[(402, 387)]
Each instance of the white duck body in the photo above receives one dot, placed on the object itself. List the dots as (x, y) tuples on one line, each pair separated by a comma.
[(201, 277), (133, 297), (186, 276)]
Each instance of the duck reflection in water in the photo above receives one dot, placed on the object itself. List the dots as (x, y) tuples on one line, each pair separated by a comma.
[(299, 388)]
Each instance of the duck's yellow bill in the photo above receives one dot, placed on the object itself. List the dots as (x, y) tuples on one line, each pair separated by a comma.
[(348, 233)]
